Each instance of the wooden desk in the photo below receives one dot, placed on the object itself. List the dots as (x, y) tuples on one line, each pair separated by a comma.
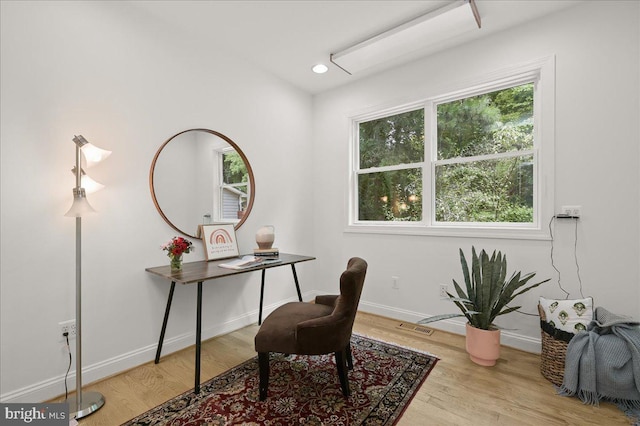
[(198, 272)]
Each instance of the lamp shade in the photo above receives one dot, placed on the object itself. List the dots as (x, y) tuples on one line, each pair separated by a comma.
[(89, 184), (80, 206), (92, 153)]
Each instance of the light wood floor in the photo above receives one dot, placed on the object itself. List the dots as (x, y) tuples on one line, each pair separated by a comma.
[(457, 392)]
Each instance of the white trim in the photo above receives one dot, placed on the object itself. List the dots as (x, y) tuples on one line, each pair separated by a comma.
[(374, 113), (488, 157), (54, 386), (507, 338), (393, 168), (541, 72), (449, 231)]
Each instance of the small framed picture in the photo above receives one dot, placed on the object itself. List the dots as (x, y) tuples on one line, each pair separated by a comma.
[(219, 240)]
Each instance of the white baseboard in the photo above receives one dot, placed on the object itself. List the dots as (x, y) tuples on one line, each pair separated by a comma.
[(514, 340), (54, 387)]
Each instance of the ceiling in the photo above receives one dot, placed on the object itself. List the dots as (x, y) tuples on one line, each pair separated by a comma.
[(288, 37)]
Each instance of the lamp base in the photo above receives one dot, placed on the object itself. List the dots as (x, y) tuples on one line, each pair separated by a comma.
[(91, 402)]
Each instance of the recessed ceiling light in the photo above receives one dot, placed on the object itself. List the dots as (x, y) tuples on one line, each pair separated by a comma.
[(320, 68)]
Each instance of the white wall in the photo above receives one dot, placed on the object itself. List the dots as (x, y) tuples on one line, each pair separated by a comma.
[(597, 158), (127, 84)]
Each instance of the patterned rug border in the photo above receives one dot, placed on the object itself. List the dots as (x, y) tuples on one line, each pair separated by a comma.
[(409, 349), (189, 399)]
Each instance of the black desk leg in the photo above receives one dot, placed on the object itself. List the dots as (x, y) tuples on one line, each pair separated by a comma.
[(198, 336), (261, 298), (295, 278), (164, 322)]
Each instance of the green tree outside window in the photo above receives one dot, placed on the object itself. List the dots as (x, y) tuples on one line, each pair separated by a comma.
[(483, 167)]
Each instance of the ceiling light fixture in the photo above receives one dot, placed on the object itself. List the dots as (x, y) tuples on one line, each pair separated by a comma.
[(424, 31), (320, 68)]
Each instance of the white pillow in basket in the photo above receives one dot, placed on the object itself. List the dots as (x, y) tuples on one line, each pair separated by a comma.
[(571, 316)]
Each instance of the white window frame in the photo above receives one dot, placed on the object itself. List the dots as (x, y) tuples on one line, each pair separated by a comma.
[(541, 72)]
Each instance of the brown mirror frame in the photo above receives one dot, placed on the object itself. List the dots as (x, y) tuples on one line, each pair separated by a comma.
[(240, 153)]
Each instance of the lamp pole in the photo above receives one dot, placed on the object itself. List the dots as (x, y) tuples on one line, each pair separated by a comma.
[(80, 405)]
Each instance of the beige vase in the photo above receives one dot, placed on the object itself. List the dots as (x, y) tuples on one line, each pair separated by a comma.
[(483, 346), (265, 237)]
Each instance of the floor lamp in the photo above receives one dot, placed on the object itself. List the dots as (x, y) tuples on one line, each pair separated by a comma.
[(82, 405)]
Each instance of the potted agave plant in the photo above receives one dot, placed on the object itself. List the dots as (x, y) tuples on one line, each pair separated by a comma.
[(487, 296)]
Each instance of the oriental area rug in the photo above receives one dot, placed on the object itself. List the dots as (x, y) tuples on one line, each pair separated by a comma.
[(304, 390)]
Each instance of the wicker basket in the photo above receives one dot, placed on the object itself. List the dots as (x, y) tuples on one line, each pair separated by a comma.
[(554, 350)]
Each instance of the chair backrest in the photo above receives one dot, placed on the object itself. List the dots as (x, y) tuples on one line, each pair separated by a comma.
[(331, 333), (351, 283)]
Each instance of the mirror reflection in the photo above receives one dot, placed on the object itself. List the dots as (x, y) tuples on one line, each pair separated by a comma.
[(200, 176)]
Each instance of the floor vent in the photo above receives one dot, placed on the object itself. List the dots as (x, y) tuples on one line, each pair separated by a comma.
[(417, 328)]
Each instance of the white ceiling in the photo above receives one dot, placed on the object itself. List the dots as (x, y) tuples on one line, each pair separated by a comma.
[(288, 37)]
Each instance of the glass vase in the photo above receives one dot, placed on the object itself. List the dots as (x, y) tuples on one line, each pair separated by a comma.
[(176, 263)]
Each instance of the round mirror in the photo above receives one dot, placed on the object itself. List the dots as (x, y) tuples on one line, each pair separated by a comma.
[(200, 176)]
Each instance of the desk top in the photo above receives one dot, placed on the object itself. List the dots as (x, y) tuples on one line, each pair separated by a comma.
[(208, 269)]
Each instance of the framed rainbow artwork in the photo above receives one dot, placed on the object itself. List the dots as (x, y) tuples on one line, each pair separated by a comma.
[(219, 240)]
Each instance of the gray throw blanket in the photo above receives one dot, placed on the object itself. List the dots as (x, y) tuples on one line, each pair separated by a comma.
[(604, 361)]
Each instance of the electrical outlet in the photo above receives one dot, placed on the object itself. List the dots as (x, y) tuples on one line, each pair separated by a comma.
[(395, 282), (443, 291), (573, 211), (68, 327)]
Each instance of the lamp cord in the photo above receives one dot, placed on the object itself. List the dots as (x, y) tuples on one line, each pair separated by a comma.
[(66, 389)]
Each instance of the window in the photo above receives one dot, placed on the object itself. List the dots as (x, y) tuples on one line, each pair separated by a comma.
[(468, 162), (234, 185), (391, 158), (484, 158)]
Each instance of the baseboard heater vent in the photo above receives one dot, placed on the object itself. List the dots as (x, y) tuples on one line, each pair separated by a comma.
[(415, 327)]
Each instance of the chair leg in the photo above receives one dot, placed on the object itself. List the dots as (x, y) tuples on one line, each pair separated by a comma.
[(263, 365), (349, 357), (342, 372)]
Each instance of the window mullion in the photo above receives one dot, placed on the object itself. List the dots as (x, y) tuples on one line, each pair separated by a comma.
[(431, 153)]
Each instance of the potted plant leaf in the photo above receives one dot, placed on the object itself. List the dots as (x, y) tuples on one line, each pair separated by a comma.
[(487, 296)]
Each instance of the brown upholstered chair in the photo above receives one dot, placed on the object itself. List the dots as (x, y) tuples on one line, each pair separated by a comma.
[(314, 329)]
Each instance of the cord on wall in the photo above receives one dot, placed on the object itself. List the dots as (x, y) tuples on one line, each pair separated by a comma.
[(552, 262), (66, 389), (575, 252), (575, 256)]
